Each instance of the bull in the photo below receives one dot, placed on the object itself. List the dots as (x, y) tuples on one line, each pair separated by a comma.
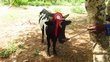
[(53, 26)]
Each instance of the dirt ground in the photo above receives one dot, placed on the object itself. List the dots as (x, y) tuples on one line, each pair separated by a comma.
[(25, 30)]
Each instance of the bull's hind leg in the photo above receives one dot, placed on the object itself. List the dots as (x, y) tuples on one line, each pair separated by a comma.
[(42, 34), (48, 45)]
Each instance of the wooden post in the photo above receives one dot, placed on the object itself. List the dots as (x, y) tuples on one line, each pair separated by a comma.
[(97, 16)]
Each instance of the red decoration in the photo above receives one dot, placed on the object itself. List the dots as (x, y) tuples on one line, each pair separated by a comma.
[(57, 18)]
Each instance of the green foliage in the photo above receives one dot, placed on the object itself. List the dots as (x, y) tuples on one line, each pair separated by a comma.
[(39, 3), (6, 3), (9, 50), (77, 9), (20, 2), (43, 2), (47, 4), (16, 2), (4, 53)]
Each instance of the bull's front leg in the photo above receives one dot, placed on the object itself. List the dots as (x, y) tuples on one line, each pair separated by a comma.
[(54, 47), (48, 45)]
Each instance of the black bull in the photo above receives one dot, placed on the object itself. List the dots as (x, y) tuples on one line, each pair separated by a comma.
[(48, 27)]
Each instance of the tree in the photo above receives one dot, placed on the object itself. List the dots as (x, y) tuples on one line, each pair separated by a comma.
[(96, 18), (53, 1)]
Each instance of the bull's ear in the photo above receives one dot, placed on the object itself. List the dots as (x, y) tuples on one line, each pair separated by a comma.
[(66, 16)]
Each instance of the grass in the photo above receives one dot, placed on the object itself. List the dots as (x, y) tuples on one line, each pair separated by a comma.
[(9, 50)]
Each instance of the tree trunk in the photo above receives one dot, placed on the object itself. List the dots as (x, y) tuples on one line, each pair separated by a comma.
[(108, 8), (96, 16)]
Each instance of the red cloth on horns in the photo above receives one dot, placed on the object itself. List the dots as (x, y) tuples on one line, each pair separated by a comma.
[(57, 18)]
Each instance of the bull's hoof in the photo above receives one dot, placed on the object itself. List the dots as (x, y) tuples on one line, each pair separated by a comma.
[(62, 41), (54, 53), (48, 54)]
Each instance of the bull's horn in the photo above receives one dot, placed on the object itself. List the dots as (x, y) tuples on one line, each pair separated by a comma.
[(66, 16)]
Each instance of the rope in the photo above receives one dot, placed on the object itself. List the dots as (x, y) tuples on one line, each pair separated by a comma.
[(79, 34)]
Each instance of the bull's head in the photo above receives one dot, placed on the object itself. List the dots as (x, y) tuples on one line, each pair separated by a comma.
[(61, 30)]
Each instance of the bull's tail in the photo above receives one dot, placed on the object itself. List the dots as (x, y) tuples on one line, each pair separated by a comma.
[(40, 17), (42, 12)]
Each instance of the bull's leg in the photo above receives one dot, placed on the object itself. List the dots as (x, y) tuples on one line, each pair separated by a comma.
[(48, 45), (43, 34), (54, 46)]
